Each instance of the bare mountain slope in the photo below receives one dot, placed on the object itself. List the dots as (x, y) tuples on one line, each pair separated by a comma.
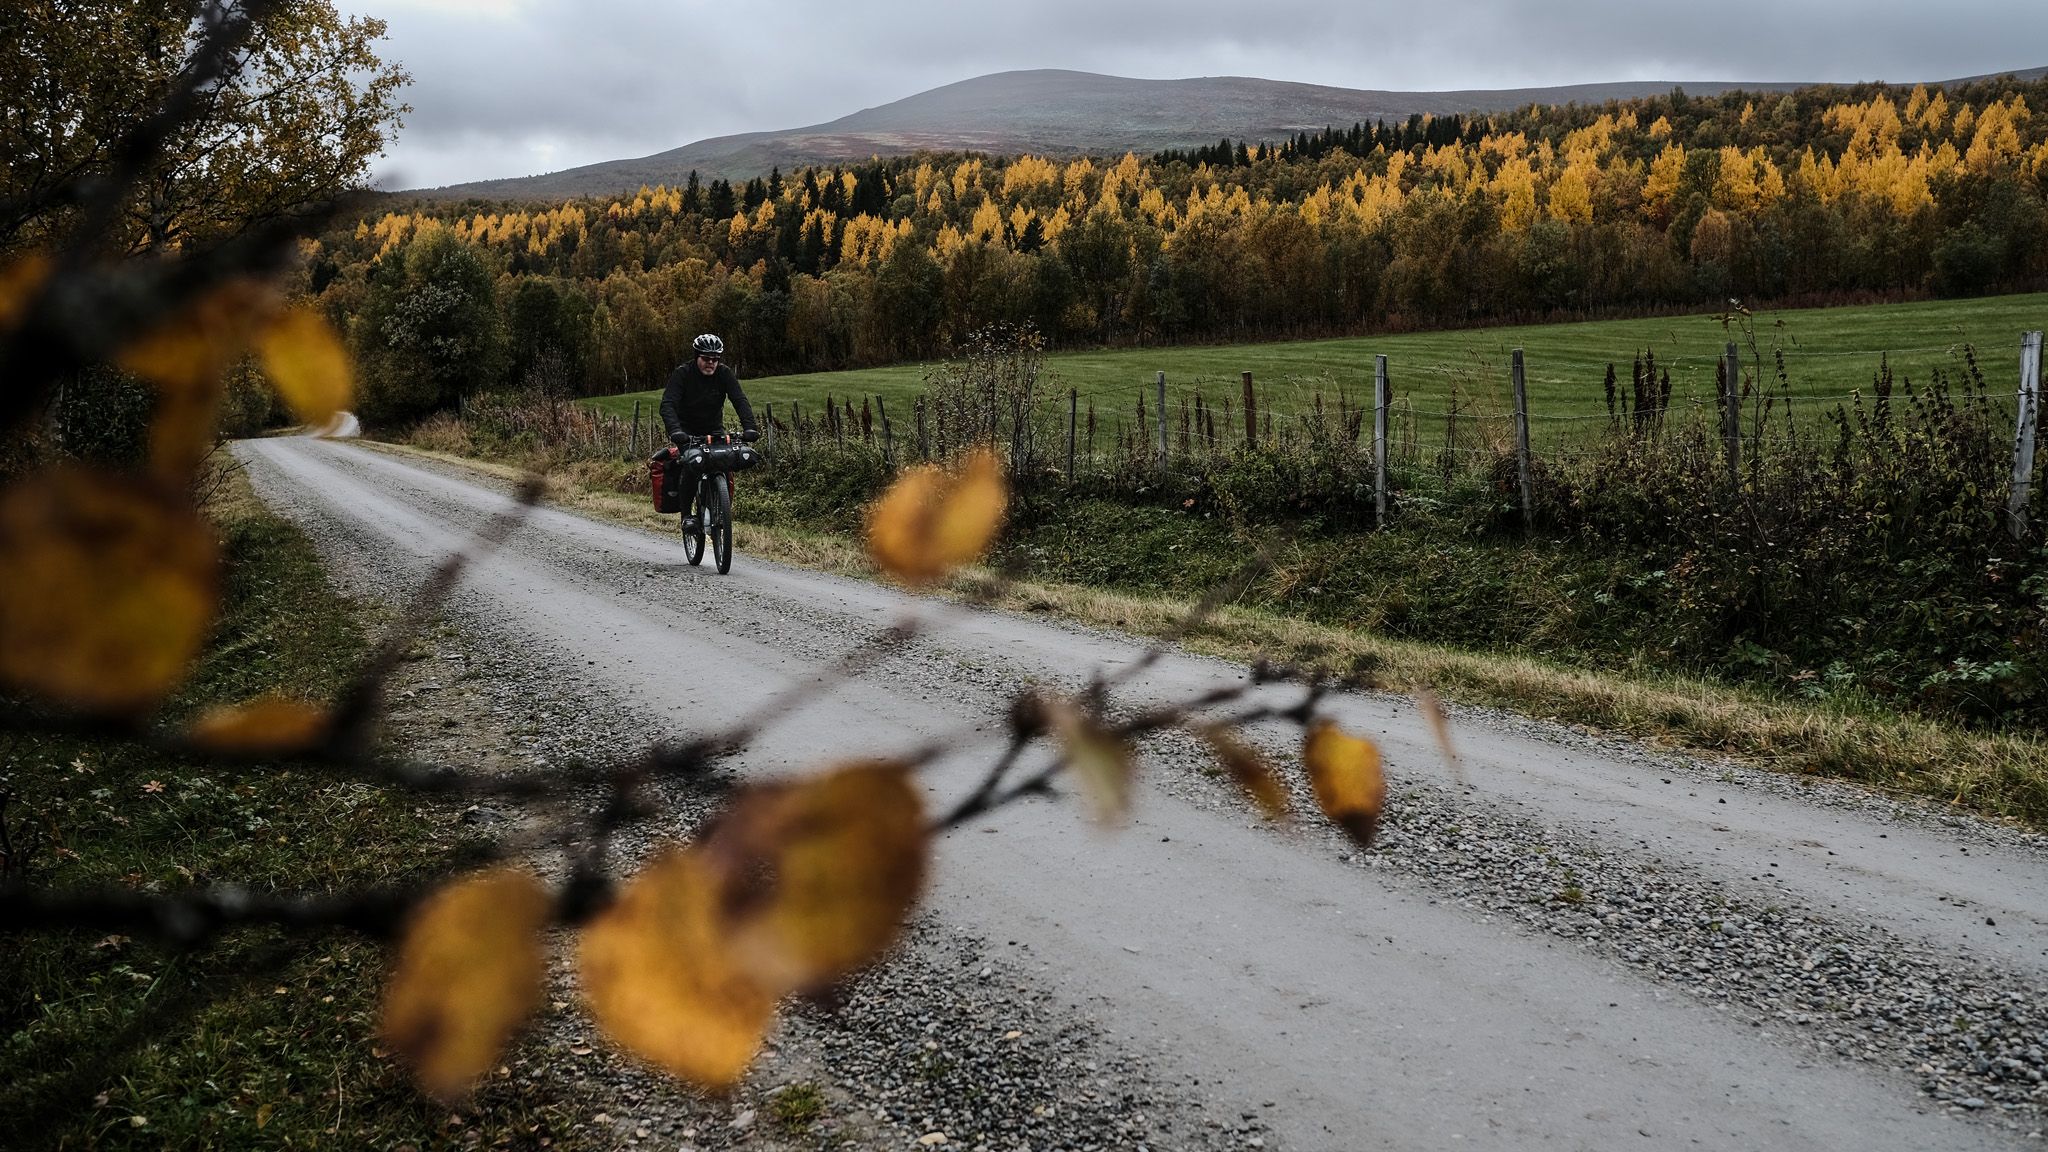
[(1057, 113)]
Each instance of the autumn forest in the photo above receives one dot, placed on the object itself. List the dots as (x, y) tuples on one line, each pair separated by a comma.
[(1827, 194)]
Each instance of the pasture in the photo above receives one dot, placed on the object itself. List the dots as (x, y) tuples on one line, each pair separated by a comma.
[(1829, 353)]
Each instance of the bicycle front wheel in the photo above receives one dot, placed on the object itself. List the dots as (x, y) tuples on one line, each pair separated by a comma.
[(718, 518)]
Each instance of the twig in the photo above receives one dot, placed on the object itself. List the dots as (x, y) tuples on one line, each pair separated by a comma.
[(189, 919), (982, 798)]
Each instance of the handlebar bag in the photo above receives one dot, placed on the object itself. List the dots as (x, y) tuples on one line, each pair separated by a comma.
[(722, 458)]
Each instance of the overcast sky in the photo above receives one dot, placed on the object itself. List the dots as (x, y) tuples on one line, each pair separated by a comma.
[(518, 87)]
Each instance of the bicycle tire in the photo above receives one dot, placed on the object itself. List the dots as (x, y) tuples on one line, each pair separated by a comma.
[(719, 520), (693, 542)]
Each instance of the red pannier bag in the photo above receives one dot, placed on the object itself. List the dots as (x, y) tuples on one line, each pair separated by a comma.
[(668, 496)]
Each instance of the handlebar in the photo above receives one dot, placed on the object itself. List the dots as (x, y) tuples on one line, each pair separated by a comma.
[(689, 441)]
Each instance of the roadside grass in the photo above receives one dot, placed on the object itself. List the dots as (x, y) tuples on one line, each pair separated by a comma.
[(1828, 351), (796, 1108), (258, 1041), (1844, 737)]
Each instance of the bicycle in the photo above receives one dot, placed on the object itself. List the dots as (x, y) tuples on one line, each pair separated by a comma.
[(713, 459)]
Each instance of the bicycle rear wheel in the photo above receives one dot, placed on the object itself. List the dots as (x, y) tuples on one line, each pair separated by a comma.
[(718, 518), (693, 542)]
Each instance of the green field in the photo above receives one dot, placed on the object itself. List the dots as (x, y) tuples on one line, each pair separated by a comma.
[(1828, 353)]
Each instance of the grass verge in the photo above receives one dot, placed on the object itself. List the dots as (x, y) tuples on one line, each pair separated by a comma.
[(259, 1041), (2000, 775)]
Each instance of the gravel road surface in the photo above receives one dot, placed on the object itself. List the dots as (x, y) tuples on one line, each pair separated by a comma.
[(1574, 943)]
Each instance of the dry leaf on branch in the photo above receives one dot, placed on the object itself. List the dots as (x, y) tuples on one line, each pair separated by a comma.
[(307, 364), (931, 521), (185, 358), (469, 971), (818, 875), (1103, 764), (268, 726), (19, 283), (1251, 771), (661, 980), (106, 590), (189, 351), (1344, 771)]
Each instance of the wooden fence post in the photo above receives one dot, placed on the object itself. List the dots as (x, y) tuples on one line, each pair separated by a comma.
[(1161, 394), (1522, 443), (635, 449), (888, 433), (1251, 414), (1073, 413), (1731, 411), (2023, 438), (1380, 400), (923, 450)]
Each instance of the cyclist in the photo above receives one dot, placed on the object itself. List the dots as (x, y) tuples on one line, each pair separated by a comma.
[(693, 404)]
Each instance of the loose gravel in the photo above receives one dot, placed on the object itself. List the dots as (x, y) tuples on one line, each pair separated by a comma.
[(952, 1039), (1972, 1038), (951, 1042)]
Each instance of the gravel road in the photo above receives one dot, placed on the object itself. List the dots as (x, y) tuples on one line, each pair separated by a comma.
[(1576, 943)]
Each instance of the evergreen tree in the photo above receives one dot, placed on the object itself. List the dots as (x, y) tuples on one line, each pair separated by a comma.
[(810, 257)]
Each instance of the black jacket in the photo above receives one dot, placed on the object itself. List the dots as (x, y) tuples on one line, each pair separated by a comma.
[(695, 403)]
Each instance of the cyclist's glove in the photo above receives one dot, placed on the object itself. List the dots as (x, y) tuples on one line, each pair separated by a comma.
[(751, 435), (680, 439)]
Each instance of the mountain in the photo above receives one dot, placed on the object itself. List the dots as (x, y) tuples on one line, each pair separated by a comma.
[(1051, 112)]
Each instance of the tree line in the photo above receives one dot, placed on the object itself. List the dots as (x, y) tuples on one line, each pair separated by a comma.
[(1827, 193)]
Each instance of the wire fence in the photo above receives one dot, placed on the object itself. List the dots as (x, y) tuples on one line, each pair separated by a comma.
[(1157, 432)]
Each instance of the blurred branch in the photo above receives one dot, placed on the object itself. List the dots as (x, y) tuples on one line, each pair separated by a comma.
[(360, 701), (85, 312), (189, 919), (228, 25)]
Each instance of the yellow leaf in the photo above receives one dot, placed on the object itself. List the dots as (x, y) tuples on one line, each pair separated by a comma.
[(1250, 770), (930, 522), (1102, 763), (660, 978), (820, 874), (269, 726), (185, 358), (1344, 771), (19, 283), (469, 972), (106, 589), (188, 351), (181, 433), (307, 364)]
